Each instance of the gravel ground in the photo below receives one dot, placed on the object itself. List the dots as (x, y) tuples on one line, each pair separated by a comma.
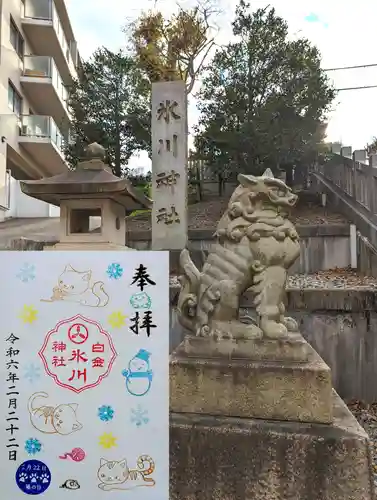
[(330, 280), (367, 418), (206, 214)]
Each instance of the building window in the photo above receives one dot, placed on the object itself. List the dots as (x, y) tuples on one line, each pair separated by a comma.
[(16, 39), (14, 100)]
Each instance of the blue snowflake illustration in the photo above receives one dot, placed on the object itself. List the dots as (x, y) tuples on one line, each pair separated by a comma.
[(26, 273), (32, 373), (115, 271), (105, 413), (139, 416), (33, 446)]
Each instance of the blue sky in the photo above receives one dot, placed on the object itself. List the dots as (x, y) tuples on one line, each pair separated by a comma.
[(344, 32)]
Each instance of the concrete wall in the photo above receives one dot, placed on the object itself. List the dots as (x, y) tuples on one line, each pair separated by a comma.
[(322, 247), (22, 205), (340, 324)]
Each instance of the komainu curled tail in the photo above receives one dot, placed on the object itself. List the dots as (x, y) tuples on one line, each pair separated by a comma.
[(189, 280)]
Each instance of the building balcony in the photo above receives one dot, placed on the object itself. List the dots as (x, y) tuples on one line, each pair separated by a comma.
[(42, 26), (41, 138), (44, 87)]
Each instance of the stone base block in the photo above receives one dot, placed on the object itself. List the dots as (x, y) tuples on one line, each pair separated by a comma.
[(292, 348), (298, 391), (222, 458)]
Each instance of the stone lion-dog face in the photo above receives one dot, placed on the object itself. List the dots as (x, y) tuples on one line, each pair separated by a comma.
[(258, 206), (258, 192)]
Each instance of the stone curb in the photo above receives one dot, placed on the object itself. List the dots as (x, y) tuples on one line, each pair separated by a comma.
[(310, 300), (208, 234)]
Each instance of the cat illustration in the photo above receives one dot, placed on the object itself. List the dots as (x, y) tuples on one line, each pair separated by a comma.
[(114, 475), (53, 420), (76, 286)]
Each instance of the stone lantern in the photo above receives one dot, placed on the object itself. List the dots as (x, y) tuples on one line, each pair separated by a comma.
[(89, 193)]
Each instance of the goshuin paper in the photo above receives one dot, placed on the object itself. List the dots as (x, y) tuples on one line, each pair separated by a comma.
[(85, 374)]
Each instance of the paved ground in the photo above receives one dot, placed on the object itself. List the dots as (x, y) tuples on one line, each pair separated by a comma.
[(40, 229)]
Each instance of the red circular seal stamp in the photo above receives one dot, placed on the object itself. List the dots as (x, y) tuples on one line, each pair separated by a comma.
[(78, 333)]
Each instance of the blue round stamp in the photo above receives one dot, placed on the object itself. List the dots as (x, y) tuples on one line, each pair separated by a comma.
[(33, 477)]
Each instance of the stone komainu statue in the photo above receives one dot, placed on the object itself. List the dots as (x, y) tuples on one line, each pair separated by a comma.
[(256, 244)]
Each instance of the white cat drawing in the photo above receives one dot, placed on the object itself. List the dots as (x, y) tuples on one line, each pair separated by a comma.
[(76, 286), (115, 475), (61, 419)]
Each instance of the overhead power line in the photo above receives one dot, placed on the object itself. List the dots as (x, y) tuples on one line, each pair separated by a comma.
[(358, 88), (352, 67)]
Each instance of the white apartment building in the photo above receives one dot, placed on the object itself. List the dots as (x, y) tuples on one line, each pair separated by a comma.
[(38, 60)]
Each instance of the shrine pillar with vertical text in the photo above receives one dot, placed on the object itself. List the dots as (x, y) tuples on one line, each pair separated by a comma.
[(169, 165)]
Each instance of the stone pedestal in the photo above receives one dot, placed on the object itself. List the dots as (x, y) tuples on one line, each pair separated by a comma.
[(297, 387), (246, 426), (225, 458)]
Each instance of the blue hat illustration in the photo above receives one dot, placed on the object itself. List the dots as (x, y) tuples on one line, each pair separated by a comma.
[(144, 355)]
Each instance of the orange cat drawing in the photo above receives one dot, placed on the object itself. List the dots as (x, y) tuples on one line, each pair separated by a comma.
[(76, 286), (116, 475)]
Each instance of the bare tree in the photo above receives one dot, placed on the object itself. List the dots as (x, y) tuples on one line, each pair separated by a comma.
[(175, 48)]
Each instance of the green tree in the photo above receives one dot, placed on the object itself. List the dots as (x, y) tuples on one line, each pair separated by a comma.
[(141, 182), (110, 105), (263, 99)]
